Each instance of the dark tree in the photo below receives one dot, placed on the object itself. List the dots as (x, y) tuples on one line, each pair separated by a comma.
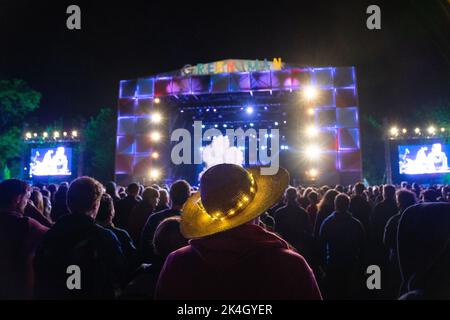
[(17, 100), (98, 145)]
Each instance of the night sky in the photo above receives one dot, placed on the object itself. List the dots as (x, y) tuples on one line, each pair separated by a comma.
[(404, 65)]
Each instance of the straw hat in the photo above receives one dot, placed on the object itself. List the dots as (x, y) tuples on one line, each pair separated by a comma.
[(229, 197)]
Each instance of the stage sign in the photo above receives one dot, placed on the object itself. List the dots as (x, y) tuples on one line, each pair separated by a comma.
[(232, 66)]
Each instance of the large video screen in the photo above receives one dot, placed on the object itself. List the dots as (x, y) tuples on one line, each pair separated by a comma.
[(423, 158), (51, 161)]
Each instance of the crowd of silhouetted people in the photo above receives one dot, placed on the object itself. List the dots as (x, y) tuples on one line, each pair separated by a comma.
[(314, 243)]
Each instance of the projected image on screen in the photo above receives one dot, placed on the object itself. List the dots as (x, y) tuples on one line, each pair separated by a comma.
[(51, 162), (423, 159)]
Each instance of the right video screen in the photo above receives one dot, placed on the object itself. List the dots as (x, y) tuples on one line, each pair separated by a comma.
[(423, 158)]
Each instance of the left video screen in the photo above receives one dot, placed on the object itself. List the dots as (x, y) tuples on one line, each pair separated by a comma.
[(51, 161)]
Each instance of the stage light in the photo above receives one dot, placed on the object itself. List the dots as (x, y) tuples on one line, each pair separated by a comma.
[(442, 129), (276, 123), (56, 134), (404, 131), (313, 173), (155, 173), (156, 117), (312, 152), (155, 136), (417, 130), (74, 133), (251, 124), (431, 130), (215, 126), (393, 131), (28, 135), (312, 131), (157, 100), (249, 110), (155, 155), (310, 93), (311, 111), (35, 134), (214, 110), (65, 134), (45, 134), (225, 125)]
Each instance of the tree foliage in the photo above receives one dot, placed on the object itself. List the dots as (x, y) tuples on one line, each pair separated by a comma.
[(17, 100), (98, 145)]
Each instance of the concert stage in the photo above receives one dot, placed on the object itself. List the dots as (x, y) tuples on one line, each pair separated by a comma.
[(314, 109)]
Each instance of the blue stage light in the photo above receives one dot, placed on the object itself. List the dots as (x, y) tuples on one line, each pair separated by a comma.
[(249, 110)]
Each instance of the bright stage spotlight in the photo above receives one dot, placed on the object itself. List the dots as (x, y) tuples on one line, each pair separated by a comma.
[(312, 152), (155, 155), (393, 131), (157, 100), (442, 129), (417, 130), (56, 134), (313, 173), (310, 111), (74, 133), (155, 173), (404, 131), (45, 134), (65, 134), (312, 131), (431, 130), (155, 136), (28, 135), (310, 93), (156, 117), (249, 110), (35, 135)]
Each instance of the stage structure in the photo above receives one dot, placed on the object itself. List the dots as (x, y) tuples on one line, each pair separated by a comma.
[(314, 108)]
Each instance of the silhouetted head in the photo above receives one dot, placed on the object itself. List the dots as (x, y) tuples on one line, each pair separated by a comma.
[(84, 196), (133, 189), (359, 188), (389, 192), (14, 195), (150, 196), (168, 237), (291, 195), (179, 192), (342, 202), (106, 212), (405, 199)]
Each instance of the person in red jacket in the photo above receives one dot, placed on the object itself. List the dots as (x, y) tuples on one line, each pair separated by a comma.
[(229, 256)]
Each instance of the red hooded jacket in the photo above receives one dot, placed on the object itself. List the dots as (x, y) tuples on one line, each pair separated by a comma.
[(246, 262)]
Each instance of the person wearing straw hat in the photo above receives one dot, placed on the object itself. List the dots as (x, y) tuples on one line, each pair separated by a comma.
[(229, 255)]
